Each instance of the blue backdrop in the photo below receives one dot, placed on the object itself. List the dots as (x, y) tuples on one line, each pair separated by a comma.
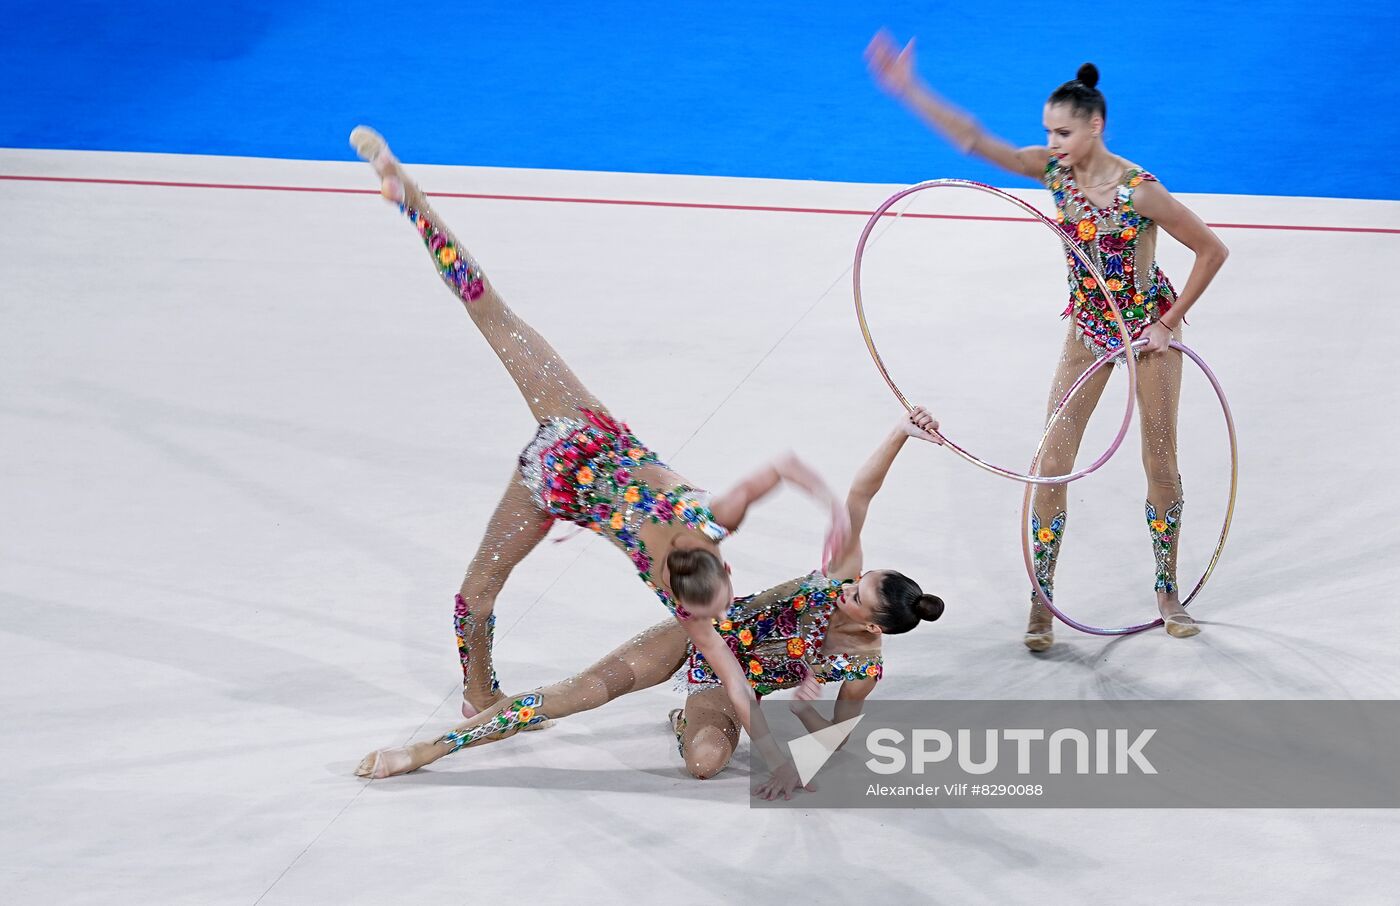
[(1284, 97)]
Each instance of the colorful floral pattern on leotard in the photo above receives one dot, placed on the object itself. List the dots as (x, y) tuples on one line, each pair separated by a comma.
[(1110, 237), (583, 471), (778, 637)]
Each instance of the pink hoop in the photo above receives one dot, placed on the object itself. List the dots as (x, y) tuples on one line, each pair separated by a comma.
[(1229, 510), (1074, 250)]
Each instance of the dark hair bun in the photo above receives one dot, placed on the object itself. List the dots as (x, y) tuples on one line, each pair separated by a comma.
[(1081, 93), (929, 607), (905, 604)]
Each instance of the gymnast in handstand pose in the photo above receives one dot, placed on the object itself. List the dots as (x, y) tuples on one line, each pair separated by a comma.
[(819, 628), (585, 466)]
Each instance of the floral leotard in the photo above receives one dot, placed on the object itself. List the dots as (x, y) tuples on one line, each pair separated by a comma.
[(1123, 244), (584, 470), (779, 637)]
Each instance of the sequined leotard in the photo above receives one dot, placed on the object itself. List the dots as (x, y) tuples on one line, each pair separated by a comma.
[(585, 471), (779, 637), (1123, 244)]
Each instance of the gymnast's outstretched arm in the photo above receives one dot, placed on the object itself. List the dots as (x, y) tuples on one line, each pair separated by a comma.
[(893, 68), (871, 477), (730, 507)]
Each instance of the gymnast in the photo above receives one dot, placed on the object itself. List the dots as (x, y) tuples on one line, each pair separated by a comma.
[(1110, 208), (586, 467)]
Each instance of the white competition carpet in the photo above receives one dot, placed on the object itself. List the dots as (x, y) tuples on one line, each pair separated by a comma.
[(248, 443)]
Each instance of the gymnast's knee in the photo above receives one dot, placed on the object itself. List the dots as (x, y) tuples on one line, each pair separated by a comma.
[(1056, 462), (707, 754)]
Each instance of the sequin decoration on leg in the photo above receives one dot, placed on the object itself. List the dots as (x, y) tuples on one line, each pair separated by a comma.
[(507, 718), (516, 527), (1164, 533), (475, 638), (1045, 542), (1061, 449), (643, 661), (456, 268), (1046, 547)]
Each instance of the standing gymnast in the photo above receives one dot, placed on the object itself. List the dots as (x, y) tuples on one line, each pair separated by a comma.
[(1110, 208), (586, 467)]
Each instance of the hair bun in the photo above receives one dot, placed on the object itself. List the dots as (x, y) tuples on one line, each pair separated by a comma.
[(929, 607), (696, 574), (1089, 75)]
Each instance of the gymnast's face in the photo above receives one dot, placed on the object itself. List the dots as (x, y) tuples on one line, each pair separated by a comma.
[(1069, 135), (860, 600)]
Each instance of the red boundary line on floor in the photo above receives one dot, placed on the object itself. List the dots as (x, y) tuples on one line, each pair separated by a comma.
[(694, 205)]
